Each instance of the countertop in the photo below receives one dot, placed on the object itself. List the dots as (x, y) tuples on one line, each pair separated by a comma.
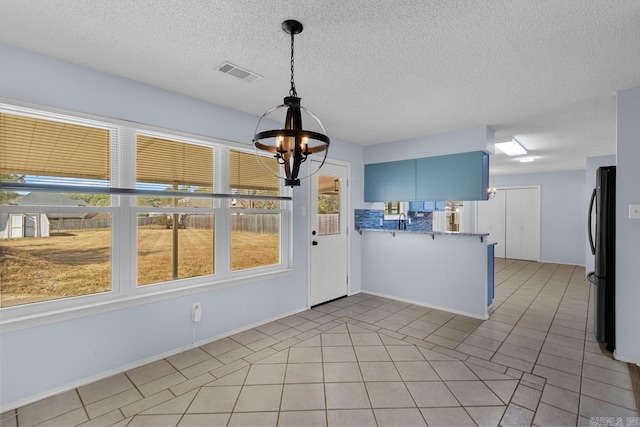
[(432, 233)]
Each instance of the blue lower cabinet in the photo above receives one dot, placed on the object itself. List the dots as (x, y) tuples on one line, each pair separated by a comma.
[(416, 206), (490, 273), (427, 206)]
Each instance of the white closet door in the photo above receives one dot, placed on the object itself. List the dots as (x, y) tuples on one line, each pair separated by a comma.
[(523, 224), (530, 224), (514, 224)]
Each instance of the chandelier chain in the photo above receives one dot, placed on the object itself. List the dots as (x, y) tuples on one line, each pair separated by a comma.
[(292, 91)]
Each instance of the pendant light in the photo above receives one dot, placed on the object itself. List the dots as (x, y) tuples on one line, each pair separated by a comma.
[(292, 144)]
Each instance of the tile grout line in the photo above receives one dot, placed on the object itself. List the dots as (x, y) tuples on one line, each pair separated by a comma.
[(545, 340), (534, 364), (521, 315)]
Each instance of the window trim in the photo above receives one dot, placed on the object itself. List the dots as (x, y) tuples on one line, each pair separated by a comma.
[(124, 291)]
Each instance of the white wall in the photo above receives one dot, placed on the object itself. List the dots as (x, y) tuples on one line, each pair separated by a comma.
[(593, 163), (562, 213), (44, 359), (628, 230)]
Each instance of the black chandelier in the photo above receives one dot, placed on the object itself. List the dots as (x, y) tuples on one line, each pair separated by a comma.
[(292, 145)]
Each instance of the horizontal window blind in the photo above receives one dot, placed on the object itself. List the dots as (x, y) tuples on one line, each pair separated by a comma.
[(246, 172), (163, 161), (32, 146)]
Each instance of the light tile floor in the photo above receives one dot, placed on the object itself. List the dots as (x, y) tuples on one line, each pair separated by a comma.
[(366, 360)]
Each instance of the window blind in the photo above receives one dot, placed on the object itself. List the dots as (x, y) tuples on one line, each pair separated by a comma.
[(246, 172), (162, 161), (32, 146)]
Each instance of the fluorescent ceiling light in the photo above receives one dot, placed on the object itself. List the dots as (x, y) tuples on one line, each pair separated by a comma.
[(526, 159), (511, 148)]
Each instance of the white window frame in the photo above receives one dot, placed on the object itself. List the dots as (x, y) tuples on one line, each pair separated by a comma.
[(124, 289)]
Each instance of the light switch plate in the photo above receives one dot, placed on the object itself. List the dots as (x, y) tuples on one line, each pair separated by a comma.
[(634, 211)]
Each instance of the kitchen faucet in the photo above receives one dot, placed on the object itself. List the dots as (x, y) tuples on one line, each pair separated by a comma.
[(402, 223)]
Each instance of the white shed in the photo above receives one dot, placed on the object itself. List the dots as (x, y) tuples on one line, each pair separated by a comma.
[(24, 224), (18, 225)]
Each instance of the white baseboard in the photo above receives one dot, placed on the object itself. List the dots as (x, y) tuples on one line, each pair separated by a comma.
[(136, 364), (561, 263), (422, 304)]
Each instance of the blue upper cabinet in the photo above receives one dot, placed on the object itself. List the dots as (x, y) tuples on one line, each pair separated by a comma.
[(463, 176), (390, 181)]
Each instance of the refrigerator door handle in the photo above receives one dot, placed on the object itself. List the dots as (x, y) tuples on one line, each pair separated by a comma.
[(591, 276), (589, 221)]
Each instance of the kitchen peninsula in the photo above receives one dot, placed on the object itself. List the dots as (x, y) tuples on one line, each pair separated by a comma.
[(444, 270)]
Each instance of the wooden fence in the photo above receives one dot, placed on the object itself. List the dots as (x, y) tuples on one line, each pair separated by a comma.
[(78, 224), (254, 223)]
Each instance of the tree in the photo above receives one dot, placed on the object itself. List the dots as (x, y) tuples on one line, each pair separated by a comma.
[(328, 204), (255, 204), (7, 197)]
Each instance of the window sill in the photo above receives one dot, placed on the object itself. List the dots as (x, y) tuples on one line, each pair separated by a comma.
[(111, 302)]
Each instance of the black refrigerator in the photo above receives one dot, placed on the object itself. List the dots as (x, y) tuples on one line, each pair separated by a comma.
[(603, 246)]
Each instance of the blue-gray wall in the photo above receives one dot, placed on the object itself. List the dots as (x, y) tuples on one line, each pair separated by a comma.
[(562, 213), (43, 359), (628, 230)]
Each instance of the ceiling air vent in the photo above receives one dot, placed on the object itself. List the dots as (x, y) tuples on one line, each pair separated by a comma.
[(239, 72)]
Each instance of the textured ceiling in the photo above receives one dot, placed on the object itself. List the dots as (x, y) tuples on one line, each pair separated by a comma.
[(374, 71)]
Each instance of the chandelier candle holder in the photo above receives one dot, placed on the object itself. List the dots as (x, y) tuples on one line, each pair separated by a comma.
[(292, 144)]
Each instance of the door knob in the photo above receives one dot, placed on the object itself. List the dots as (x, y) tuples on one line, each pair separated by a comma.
[(314, 243)]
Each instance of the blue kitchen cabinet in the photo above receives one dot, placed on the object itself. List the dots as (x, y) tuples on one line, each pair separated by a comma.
[(416, 206), (463, 176), (490, 273), (390, 181), (428, 206)]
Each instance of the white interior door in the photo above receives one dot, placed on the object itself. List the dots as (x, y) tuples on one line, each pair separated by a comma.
[(329, 258), (530, 223), (523, 224), (514, 224)]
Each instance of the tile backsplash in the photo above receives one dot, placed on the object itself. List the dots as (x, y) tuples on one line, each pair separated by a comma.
[(374, 218)]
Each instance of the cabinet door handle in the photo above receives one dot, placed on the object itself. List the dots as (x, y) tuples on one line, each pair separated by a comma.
[(314, 243)]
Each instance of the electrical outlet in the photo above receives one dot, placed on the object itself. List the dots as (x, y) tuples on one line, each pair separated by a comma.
[(196, 312), (634, 211)]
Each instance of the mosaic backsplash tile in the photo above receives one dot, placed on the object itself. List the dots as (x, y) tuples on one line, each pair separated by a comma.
[(374, 218)]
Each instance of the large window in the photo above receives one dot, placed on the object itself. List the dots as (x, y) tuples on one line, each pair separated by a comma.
[(255, 224), (174, 241), (53, 244), (105, 210)]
